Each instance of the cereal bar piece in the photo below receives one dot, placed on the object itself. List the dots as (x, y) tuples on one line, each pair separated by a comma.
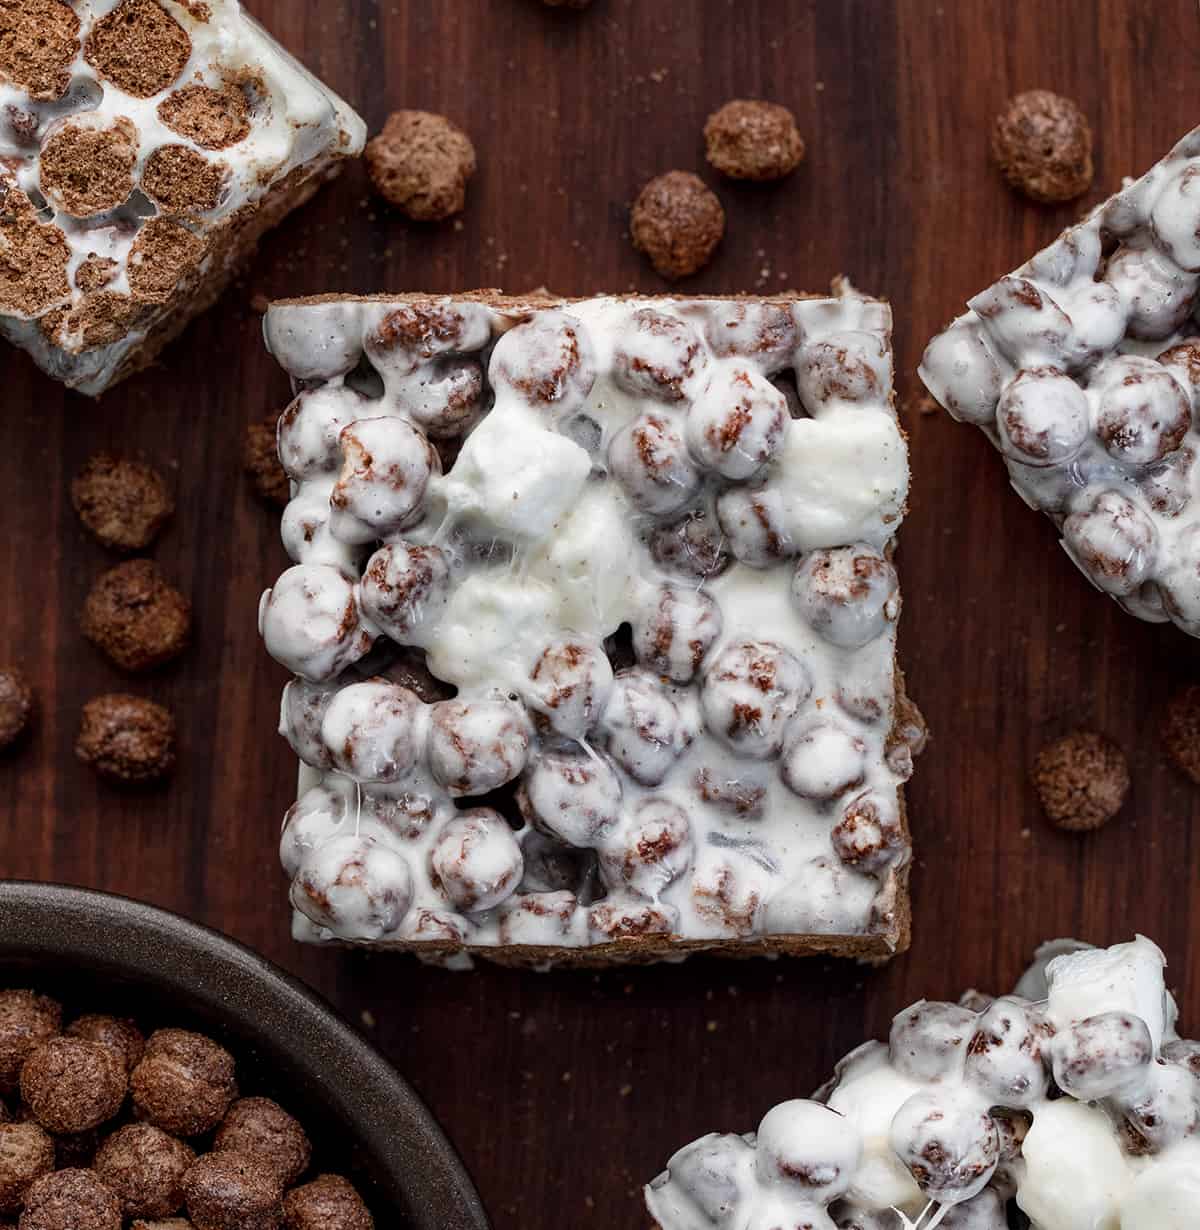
[(145, 147), (1083, 369), (658, 574), (1072, 1102)]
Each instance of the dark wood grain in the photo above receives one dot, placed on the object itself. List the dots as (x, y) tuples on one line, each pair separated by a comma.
[(565, 1092)]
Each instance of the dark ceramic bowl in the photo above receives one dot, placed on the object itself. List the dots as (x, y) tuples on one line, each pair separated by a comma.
[(95, 951)]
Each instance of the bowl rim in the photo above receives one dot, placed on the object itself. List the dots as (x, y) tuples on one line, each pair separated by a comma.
[(257, 999)]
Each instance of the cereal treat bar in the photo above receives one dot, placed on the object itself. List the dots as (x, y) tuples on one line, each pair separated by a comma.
[(1083, 368), (593, 625), (145, 147), (1072, 1100)]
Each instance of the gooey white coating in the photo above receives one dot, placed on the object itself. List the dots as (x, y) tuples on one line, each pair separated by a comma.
[(1081, 1165), (548, 557), (1124, 978), (1164, 1197), (296, 122), (1043, 342)]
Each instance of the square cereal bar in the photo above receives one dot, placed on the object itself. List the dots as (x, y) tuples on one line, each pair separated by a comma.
[(145, 147), (1071, 1104), (593, 623), (1083, 369)]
